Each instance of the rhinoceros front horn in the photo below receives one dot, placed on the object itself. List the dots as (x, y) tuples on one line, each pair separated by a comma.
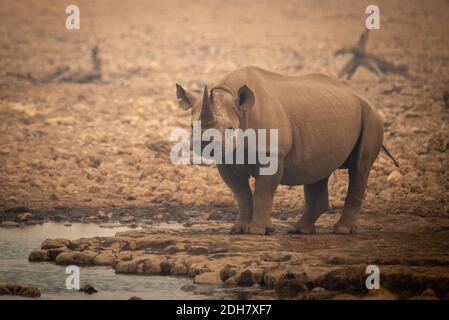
[(207, 115)]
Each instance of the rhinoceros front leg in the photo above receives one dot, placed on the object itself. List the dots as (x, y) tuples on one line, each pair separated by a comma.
[(264, 190), (239, 186)]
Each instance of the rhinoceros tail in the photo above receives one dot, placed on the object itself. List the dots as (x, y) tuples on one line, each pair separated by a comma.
[(391, 157)]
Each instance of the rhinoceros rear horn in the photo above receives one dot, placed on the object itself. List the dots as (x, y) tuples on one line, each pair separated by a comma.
[(207, 115)]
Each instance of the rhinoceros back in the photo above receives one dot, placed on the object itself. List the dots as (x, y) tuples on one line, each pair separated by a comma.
[(326, 118), (318, 117)]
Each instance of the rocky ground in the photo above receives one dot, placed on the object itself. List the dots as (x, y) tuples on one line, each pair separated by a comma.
[(413, 264), (98, 151)]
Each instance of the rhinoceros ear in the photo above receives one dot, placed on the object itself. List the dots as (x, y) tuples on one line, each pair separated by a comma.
[(185, 99), (245, 98)]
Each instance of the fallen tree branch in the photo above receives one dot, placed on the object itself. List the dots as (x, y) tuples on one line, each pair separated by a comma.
[(360, 58), (64, 74)]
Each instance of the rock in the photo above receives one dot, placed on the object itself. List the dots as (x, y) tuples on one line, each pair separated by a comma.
[(387, 194), (33, 222), (25, 216), (69, 120), (124, 255), (197, 250), (395, 178), (179, 269), (59, 217), (197, 268), (9, 224), (65, 258), (290, 285), (132, 225), (149, 266), (218, 251), (30, 292), (109, 225), (344, 296), (208, 278), (189, 287), (168, 186), (68, 224), (152, 243), (127, 219), (14, 289), (428, 293), (167, 266), (423, 298), (135, 298), (245, 278), (88, 289), (317, 290), (55, 243), (79, 245), (94, 189), (256, 286), (272, 276), (104, 259), (227, 272), (216, 215), (17, 290), (53, 197), (53, 253), (318, 293), (4, 290), (76, 258), (276, 257), (101, 214), (126, 267), (173, 249), (38, 255), (349, 279), (379, 294)]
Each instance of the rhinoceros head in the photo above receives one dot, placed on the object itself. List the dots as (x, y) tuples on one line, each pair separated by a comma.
[(218, 108)]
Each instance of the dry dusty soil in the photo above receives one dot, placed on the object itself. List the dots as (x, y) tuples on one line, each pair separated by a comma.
[(98, 151)]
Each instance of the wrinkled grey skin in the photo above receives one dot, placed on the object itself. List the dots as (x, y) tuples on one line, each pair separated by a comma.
[(323, 126)]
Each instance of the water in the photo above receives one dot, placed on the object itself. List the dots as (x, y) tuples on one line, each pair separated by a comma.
[(17, 243)]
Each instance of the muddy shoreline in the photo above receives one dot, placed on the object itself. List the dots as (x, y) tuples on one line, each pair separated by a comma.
[(321, 266)]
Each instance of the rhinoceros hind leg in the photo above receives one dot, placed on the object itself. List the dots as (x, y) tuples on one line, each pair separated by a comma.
[(345, 229), (360, 163), (353, 202)]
